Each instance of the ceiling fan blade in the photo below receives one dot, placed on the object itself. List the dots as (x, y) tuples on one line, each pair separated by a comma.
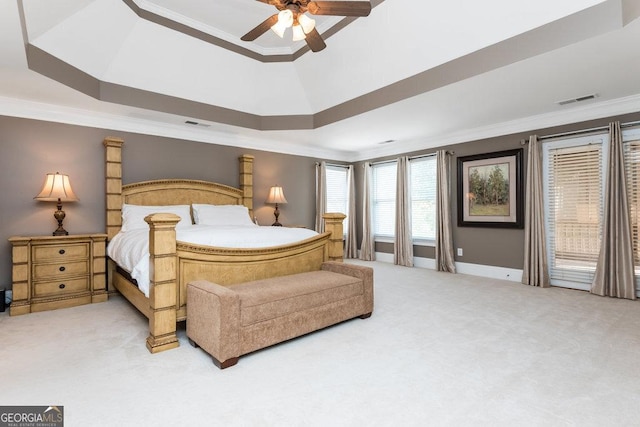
[(314, 41), (260, 29), (339, 8)]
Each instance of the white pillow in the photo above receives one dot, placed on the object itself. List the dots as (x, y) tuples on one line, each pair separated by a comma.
[(221, 215), (133, 215)]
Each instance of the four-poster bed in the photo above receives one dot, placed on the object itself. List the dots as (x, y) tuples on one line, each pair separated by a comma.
[(173, 263)]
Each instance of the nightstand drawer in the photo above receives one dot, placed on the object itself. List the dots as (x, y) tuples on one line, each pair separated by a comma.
[(60, 252), (62, 269), (60, 287)]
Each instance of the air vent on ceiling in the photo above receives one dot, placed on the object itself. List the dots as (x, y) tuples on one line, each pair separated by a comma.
[(579, 99), (191, 122), (388, 141)]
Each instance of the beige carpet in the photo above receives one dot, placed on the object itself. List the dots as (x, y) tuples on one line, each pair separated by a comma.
[(440, 349)]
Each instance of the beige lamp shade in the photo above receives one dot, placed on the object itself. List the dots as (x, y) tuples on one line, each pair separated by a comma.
[(56, 186), (276, 195)]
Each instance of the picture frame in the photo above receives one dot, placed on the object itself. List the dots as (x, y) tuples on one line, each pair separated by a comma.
[(490, 190)]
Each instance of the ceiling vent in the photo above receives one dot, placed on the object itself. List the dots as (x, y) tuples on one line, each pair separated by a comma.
[(580, 99), (388, 141), (192, 123)]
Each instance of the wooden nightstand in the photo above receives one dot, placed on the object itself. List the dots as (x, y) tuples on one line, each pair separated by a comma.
[(51, 272)]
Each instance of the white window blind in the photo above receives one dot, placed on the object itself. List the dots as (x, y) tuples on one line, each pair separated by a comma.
[(632, 167), (337, 191), (384, 199), (573, 203), (423, 197)]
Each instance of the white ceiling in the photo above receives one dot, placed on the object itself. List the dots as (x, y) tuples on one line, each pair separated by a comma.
[(419, 72)]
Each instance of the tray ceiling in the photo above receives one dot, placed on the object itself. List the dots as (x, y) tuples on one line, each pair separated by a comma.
[(422, 76)]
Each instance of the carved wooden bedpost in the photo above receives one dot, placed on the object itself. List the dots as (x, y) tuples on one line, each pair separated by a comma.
[(113, 192), (333, 223), (163, 282), (246, 181), (113, 181)]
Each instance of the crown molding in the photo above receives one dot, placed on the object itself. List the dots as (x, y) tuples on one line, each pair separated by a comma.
[(14, 107), (596, 110)]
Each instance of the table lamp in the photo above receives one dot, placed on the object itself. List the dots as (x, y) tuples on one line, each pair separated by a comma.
[(276, 195), (57, 188)]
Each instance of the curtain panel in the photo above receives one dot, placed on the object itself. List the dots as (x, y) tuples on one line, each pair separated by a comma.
[(614, 275), (403, 242), (536, 270), (351, 245), (321, 195), (367, 247), (444, 236)]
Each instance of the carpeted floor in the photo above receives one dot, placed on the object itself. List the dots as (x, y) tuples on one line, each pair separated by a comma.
[(440, 349)]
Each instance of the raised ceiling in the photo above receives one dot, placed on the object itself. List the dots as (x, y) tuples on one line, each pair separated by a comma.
[(420, 73)]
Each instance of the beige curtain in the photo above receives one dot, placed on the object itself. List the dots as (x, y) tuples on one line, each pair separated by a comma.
[(351, 246), (614, 271), (367, 247), (403, 244), (536, 269), (444, 235), (321, 194)]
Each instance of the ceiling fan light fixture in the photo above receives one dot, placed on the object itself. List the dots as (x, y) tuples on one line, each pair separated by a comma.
[(306, 23), (285, 17), (279, 29), (298, 33), (285, 20)]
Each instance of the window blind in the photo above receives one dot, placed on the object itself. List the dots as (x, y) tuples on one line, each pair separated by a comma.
[(384, 198), (423, 197), (632, 168), (337, 191), (574, 210)]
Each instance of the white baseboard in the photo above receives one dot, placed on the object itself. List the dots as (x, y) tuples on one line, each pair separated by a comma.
[(503, 273)]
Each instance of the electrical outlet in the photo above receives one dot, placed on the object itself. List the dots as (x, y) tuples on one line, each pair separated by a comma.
[(459, 251)]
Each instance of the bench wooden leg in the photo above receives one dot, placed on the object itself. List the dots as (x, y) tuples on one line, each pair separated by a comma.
[(366, 315), (227, 363)]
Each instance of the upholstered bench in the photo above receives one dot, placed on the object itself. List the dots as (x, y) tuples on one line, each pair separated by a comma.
[(229, 321)]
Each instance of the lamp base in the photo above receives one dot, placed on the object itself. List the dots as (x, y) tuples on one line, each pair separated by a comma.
[(59, 216), (61, 232), (276, 213)]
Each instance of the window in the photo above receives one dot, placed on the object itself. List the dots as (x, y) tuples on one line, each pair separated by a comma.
[(573, 203), (423, 177), (384, 199), (337, 191), (631, 146), (422, 182)]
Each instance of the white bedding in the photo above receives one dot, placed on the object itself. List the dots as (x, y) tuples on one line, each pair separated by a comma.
[(130, 249)]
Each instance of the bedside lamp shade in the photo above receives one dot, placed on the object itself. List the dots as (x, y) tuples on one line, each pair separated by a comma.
[(57, 188), (276, 195)]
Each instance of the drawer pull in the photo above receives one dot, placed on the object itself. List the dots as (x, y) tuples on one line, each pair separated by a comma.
[(62, 268), (61, 251), (61, 286)]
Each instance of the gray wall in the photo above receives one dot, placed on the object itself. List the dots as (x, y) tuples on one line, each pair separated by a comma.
[(486, 246), (29, 149)]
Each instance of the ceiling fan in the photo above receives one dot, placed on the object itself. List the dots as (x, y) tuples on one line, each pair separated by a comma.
[(292, 14)]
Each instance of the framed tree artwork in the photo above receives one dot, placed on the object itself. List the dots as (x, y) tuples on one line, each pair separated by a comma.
[(490, 190)]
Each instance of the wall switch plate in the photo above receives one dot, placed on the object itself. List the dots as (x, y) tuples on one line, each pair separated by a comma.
[(459, 251)]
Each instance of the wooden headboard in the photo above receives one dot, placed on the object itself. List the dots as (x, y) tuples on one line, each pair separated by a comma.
[(167, 191)]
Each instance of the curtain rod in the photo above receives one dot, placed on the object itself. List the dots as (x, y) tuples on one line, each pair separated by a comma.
[(583, 132), (381, 162)]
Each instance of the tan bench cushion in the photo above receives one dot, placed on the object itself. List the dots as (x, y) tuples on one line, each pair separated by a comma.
[(266, 299)]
